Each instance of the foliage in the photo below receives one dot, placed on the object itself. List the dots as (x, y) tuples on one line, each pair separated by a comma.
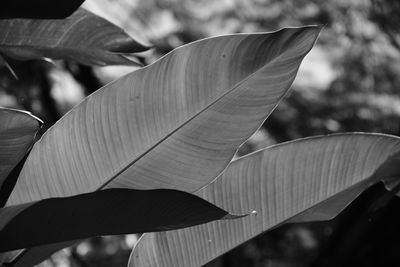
[(277, 184), (75, 38), (178, 122)]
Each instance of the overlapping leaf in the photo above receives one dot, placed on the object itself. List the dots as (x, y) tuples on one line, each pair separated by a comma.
[(276, 183), (106, 212), (38, 9), (175, 124), (17, 133), (82, 37)]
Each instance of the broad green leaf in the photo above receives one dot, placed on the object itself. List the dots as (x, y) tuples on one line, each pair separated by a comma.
[(82, 37), (105, 212), (275, 184), (175, 124), (38, 9), (17, 133)]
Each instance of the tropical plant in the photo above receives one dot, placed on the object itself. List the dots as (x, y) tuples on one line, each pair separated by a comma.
[(152, 150)]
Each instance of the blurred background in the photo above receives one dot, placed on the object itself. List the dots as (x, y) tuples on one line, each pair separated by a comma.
[(349, 82)]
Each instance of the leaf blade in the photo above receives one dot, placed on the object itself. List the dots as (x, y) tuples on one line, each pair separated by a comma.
[(17, 132), (105, 212), (83, 37), (320, 168), (189, 111)]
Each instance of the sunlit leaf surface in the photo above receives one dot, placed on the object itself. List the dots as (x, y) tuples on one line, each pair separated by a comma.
[(175, 124), (276, 184)]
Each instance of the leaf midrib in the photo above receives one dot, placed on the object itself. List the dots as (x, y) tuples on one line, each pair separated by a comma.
[(150, 149)]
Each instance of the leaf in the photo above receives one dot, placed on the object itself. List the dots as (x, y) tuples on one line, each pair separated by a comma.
[(276, 183), (105, 212), (38, 9), (332, 206), (82, 37), (17, 133), (11, 179), (175, 124)]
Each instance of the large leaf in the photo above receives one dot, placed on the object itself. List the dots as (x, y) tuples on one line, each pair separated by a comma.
[(276, 183), (175, 124), (82, 37), (38, 9), (106, 212), (17, 133)]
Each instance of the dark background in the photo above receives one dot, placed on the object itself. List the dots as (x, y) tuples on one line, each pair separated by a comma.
[(349, 82)]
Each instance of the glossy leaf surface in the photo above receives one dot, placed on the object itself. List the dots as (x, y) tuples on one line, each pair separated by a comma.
[(175, 124), (277, 184)]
